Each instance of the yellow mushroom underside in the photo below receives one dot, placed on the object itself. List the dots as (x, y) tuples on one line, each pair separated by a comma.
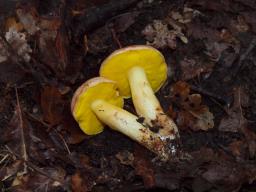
[(83, 114), (116, 68)]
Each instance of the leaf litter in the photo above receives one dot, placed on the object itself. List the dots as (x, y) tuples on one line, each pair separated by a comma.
[(42, 147)]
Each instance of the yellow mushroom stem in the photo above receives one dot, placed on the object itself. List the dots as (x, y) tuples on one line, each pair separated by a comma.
[(128, 124), (148, 106)]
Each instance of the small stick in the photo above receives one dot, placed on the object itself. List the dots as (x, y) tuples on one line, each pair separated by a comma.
[(31, 165), (116, 38), (244, 56)]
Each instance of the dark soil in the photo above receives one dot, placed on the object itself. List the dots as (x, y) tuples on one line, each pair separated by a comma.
[(209, 160)]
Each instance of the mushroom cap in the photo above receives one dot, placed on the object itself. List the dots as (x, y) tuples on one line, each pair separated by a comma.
[(85, 95), (117, 65)]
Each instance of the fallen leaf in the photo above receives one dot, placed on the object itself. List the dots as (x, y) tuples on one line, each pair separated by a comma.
[(180, 91), (159, 36), (19, 44), (78, 183), (192, 113), (69, 127), (28, 18), (47, 52), (8, 171), (16, 136), (98, 41), (12, 23), (228, 176), (143, 167), (249, 17), (125, 157), (237, 148), (7, 69), (250, 137), (241, 25), (62, 48), (49, 24), (46, 179), (235, 120), (52, 104), (191, 68), (3, 52), (121, 23)]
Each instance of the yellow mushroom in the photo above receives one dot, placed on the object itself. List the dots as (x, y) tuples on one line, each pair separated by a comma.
[(97, 103), (139, 71)]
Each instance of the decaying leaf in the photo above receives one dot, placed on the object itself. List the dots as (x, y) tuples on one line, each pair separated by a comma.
[(47, 179), (28, 18), (69, 127), (186, 16), (235, 120), (144, 167), (122, 22), (78, 183), (193, 67), (56, 111), (125, 157), (52, 105), (11, 22), (7, 172), (19, 43), (192, 113), (98, 41), (3, 52), (159, 36), (16, 139)]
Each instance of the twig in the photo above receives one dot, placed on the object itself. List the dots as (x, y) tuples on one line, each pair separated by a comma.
[(63, 140), (243, 57), (31, 165), (48, 127), (115, 38), (4, 158), (23, 142)]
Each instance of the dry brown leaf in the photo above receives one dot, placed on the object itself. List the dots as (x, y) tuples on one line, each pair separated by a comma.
[(10, 170), (125, 157), (237, 148), (69, 127), (77, 183), (191, 68), (12, 23), (192, 113), (62, 48), (18, 41), (16, 136), (144, 167), (28, 18), (159, 36), (3, 52), (235, 120), (46, 179), (122, 22), (56, 111), (52, 105)]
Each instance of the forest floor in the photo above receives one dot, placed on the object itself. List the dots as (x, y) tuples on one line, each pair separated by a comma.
[(49, 48)]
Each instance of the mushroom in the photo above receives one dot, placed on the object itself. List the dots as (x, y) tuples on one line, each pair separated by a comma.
[(139, 71), (97, 103)]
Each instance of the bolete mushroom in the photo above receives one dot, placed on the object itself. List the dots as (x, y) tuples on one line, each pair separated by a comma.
[(97, 103), (139, 71)]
